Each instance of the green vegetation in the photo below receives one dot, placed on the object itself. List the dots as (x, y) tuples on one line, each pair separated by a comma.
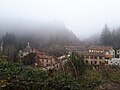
[(78, 63), (110, 37), (16, 76), (29, 59)]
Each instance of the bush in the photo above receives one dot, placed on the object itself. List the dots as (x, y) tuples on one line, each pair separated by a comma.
[(15, 76)]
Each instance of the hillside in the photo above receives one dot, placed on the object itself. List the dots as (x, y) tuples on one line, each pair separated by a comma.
[(44, 36)]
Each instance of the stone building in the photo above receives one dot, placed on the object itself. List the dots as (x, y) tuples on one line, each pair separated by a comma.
[(44, 60), (113, 61), (97, 54), (118, 53), (26, 51)]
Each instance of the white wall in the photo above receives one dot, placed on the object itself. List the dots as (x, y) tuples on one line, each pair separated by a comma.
[(113, 61)]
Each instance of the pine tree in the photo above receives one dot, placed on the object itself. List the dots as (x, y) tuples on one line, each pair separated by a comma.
[(9, 41), (78, 63), (106, 37)]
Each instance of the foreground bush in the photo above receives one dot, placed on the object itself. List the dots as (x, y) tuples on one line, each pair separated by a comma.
[(14, 76)]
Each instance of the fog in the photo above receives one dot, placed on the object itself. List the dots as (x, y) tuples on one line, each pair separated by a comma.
[(84, 17)]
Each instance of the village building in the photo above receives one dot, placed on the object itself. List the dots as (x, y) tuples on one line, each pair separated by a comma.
[(49, 62), (63, 59), (113, 61), (118, 53), (26, 51), (97, 54), (92, 57), (42, 59), (109, 52)]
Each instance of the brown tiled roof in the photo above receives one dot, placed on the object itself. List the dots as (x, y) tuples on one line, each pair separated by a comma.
[(86, 53), (75, 48), (95, 47), (109, 56), (42, 57), (39, 53)]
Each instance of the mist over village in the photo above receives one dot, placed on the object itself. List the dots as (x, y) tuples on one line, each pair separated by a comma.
[(59, 45)]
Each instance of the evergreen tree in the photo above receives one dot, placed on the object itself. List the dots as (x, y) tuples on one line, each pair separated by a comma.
[(106, 36), (117, 39), (29, 59), (9, 44), (78, 63), (114, 44)]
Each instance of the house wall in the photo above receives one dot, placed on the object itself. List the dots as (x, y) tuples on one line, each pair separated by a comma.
[(118, 53), (96, 60), (113, 61), (97, 51), (112, 52)]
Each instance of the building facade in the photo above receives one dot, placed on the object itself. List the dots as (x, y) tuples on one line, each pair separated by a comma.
[(118, 53), (97, 54), (113, 61)]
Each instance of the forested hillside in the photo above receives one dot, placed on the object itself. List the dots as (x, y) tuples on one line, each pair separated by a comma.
[(110, 37), (50, 37)]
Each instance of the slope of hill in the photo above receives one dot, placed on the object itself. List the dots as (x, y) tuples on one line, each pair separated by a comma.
[(43, 36)]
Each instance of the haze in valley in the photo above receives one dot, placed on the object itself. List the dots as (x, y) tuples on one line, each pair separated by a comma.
[(84, 17)]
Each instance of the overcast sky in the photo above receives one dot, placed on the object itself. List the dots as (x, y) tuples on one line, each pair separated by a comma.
[(83, 17)]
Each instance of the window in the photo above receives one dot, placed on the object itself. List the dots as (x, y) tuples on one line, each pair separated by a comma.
[(113, 55), (89, 50), (91, 57), (95, 57), (95, 62), (107, 58), (86, 62), (51, 62), (47, 64), (106, 62), (118, 51), (87, 57), (100, 62), (101, 51), (91, 62)]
